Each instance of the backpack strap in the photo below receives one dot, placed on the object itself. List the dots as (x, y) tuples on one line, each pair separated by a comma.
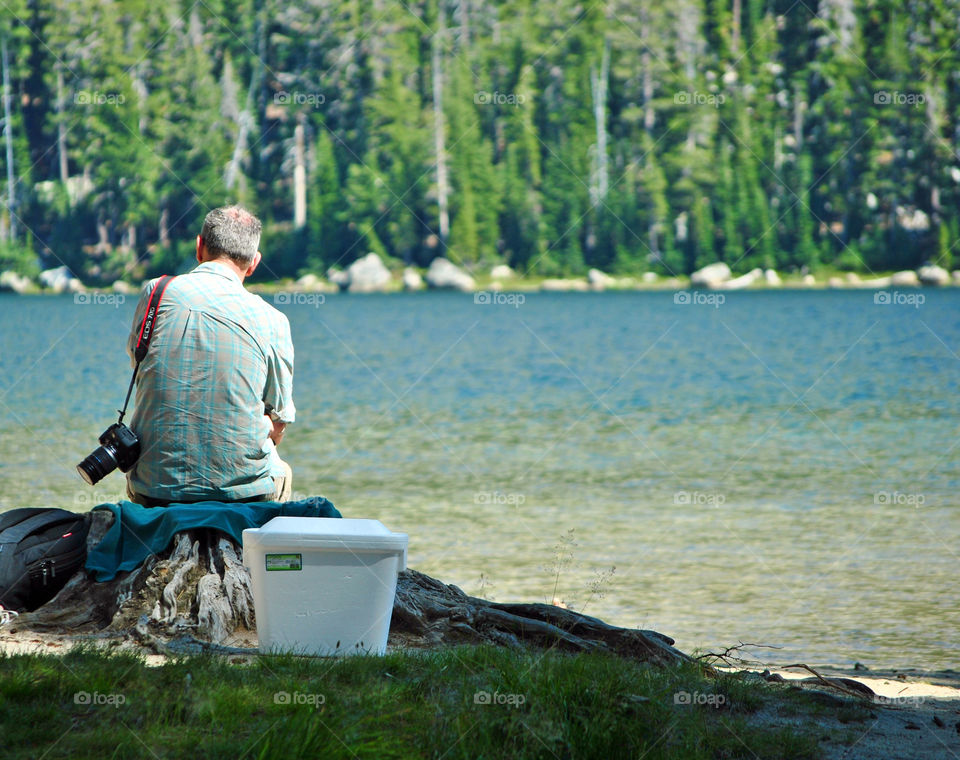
[(18, 532)]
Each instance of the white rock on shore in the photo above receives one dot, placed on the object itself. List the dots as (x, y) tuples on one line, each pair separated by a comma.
[(443, 273), (311, 283), (14, 282), (712, 275), (61, 280), (338, 277), (772, 279), (808, 281), (412, 279), (368, 275), (741, 282), (906, 278), (124, 288), (649, 278), (933, 275), (501, 272), (600, 280)]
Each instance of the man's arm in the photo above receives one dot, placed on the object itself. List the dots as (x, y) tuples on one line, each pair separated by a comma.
[(279, 428), (278, 393)]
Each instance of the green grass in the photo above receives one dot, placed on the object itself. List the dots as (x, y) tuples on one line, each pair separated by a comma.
[(92, 704)]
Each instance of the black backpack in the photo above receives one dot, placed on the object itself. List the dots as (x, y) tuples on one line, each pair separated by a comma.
[(40, 548)]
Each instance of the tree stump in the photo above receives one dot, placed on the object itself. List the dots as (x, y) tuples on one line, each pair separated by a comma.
[(197, 595)]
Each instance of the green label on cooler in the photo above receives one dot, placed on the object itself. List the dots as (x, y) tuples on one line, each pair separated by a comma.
[(284, 562)]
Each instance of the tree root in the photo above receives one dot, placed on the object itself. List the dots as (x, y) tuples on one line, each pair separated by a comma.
[(197, 596)]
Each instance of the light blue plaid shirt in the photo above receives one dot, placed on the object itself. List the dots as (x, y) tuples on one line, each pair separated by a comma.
[(218, 359)]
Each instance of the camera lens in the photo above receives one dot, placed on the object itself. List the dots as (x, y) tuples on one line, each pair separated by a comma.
[(98, 465)]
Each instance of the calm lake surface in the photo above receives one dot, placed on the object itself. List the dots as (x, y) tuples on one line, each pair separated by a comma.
[(780, 469)]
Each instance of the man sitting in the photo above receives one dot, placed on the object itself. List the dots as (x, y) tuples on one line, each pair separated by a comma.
[(214, 392)]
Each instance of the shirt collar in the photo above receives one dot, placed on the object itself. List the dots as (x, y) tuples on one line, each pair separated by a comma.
[(214, 267)]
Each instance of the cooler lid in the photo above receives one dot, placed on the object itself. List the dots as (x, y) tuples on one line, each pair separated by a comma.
[(328, 533)]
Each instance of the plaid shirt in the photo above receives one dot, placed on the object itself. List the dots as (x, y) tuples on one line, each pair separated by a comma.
[(219, 358)]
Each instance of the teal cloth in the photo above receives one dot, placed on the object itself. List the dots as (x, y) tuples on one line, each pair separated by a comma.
[(138, 532)]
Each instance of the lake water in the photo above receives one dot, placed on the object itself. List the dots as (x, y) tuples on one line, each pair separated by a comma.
[(778, 469)]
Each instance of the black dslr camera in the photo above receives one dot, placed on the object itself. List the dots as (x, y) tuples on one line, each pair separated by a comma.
[(119, 447)]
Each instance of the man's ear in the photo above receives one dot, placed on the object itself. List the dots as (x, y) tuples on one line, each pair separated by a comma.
[(253, 265), (199, 249)]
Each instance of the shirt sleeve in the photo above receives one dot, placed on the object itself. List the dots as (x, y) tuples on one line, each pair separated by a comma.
[(278, 391), (138, 319)]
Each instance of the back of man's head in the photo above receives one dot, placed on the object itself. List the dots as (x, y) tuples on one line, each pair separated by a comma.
[(231, 231)]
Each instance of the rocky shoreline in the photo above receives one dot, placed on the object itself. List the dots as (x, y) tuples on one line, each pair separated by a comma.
[(369, 274)]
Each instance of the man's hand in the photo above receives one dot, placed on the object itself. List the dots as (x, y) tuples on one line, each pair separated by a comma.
[(276, 434)]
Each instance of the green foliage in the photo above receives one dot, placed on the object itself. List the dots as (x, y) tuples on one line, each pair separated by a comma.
[(463, 702), (756, 140)]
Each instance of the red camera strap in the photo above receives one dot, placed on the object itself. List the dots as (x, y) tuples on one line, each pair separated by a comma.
[(150, 317), (146, 331)]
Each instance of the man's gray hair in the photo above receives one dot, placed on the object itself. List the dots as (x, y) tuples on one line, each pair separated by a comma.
[(232, 231)]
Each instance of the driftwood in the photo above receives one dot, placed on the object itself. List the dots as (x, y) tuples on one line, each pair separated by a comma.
[(197, 595)]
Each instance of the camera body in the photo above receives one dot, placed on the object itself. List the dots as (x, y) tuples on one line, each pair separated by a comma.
[(119, 447)]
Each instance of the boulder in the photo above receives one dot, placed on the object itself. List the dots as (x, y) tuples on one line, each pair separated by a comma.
[(443, 273), (124, 288), (368, 275), (308, 281), (338, 277), (649, 278), (599, 280), (808, 281), (906, 278), (14, 282), (711, 275), (412, 279), (502, 272), (60, 280), (772, 279), (562, 286), (311, 283), (741, 282), (851, 278), (835, 282), (956, 276), (933, 275)]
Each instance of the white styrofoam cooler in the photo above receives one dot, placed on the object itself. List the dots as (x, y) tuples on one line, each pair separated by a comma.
[(323, 585)]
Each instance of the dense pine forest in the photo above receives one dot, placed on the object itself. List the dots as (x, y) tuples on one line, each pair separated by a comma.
[(552, 135)]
